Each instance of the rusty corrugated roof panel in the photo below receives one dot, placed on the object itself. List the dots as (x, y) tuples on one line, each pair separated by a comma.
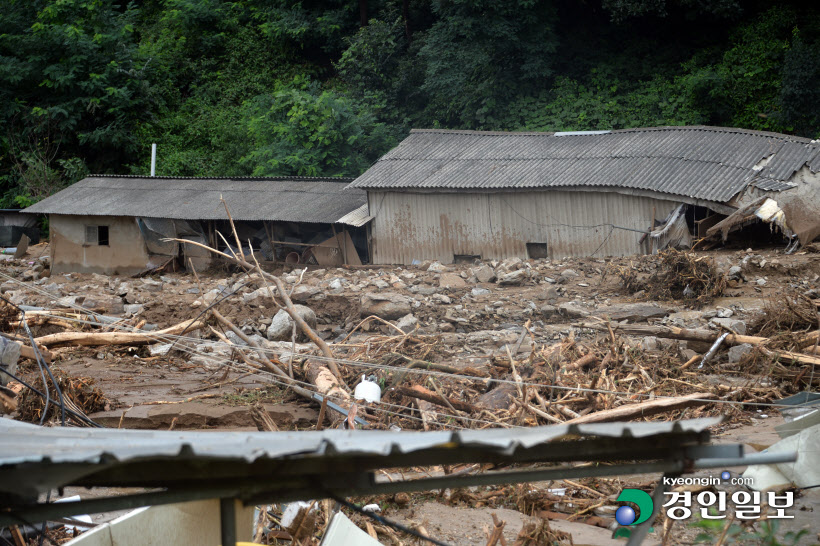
[(35, 459), (709, 163), (315, 200)]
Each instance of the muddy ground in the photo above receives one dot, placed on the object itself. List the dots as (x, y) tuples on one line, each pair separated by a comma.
[(472, 317)]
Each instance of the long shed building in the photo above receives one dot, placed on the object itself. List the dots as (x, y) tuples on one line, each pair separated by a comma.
[(442, 194), (120, 224)]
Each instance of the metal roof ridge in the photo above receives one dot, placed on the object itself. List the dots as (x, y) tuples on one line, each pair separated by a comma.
[(706, 128), (481, 133)]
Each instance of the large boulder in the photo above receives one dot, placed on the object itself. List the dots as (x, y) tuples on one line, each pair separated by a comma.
[(281, 326), (387, 305)]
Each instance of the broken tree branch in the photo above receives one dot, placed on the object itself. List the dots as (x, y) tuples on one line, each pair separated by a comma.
[(644, 409), (417, 391)]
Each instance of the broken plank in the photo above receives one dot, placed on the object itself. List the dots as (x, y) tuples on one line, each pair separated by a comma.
[(28, 352), (644, 409)]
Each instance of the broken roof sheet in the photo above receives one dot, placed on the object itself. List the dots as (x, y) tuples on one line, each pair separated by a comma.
[(316, 200), (34, 459), (709, 163)]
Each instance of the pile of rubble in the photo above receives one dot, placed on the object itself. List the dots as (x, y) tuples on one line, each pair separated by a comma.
[(509, 343)]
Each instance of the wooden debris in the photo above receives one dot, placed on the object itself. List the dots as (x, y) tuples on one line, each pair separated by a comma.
[(325, 382), (497, 535), (644, 409), (117, 338), (417, 391), (537, 534), (262, 419)]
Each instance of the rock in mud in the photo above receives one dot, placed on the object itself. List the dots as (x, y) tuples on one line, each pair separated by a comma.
[(281, 326), (387, 305), (572, 310), (512, 278), (633, 312), (501, 397), (737, 352), (484, 274), (451, 280), (407, 323)]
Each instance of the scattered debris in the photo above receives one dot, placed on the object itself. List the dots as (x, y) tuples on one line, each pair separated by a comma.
[(426, 347)]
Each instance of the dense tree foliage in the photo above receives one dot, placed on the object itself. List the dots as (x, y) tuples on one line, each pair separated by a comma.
[(324, 87)]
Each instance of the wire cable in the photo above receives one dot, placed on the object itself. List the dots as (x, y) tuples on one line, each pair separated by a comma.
[(385, 521)]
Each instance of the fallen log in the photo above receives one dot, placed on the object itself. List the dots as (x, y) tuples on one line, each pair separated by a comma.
[(417, 391), (792, 356), (673, 332), (116, 338), (325, 382), (707, 336), (644, 409), (28, 352)]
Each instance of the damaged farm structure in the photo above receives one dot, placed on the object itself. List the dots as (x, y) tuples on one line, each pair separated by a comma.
[(121, 224), (445, 195)]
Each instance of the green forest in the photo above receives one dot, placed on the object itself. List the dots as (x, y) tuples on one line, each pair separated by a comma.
[(324, 87)]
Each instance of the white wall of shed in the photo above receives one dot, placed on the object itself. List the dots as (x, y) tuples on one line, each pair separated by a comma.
[(125, 253), (436, 226)]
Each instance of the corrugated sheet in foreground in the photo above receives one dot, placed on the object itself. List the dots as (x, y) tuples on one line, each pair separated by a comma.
[(420, 226), (26, 443)]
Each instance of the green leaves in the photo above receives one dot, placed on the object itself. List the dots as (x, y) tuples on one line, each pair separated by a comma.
[(303, 130), (479, 53)]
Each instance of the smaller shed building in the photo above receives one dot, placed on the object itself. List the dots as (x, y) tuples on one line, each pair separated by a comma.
[(442, 194), (116, 224)]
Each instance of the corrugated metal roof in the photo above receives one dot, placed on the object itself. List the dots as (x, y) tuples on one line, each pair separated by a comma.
[(316, 200), (53, 457), (357, 218), (709, 163)]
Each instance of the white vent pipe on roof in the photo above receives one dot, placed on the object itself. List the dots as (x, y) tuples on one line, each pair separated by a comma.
[(153, 159)]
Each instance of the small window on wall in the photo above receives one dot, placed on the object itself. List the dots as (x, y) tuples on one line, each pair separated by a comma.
[(537, 251), (96, 235)]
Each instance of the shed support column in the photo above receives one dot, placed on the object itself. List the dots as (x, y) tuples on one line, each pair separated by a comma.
[(227, 521)]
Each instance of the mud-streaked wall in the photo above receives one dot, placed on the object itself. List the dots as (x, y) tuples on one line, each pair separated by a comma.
[(437, 226), (125, 253)]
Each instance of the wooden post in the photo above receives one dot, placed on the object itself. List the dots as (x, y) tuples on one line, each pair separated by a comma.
[(269, 233), (340, 244)]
